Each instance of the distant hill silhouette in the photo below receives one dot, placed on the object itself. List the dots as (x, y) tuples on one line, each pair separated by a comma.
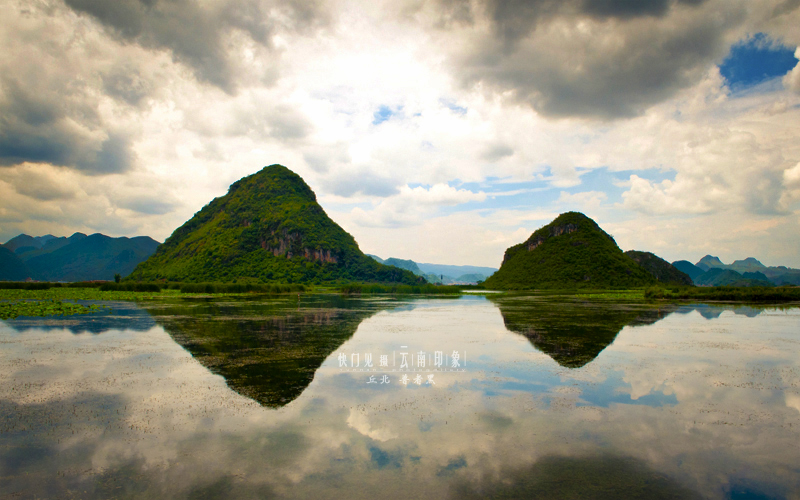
[(440, 273), (12, 268), (688, 268), (662, 271), (77, 258), (777, 275)]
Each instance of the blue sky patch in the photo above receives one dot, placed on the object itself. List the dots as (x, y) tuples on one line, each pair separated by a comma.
[(452, 106), (384, 113), (756, 60)]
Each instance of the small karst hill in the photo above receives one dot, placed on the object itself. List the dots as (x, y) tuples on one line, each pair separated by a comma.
[(662, 271), (269, 227), (570, 252)]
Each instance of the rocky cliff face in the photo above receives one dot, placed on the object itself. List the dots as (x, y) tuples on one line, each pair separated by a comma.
[(289, 245), (552, 232)]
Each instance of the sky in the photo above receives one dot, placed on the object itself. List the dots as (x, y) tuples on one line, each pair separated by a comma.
[(442, 131)]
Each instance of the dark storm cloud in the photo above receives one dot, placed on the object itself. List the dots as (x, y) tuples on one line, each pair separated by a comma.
[(786, 7), (196, 35), (602, 59), (41, 126), (126, 84), (624, 9)]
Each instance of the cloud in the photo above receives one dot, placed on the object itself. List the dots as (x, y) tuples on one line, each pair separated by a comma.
[(583, 200), (198, 34), (39, 125), (792, 79), (42, 182), (360, 180), (497, 152), (411, 205), (592, 59)]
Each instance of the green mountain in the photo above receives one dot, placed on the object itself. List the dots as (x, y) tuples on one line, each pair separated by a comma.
[(77, 258), (23, 242), (572, 251), (687, 267), (268, 227), (94, 257), (662, 271), (12, 268)]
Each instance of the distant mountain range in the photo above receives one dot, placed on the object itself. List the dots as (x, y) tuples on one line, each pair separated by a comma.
[(710, 271), (76, 258), (440, 273)]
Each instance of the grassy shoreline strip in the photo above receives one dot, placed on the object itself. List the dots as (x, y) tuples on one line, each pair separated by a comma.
[(726, 293), (371, 288)]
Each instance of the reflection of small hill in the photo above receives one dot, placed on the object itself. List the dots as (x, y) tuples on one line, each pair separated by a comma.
[(598, 477), (713, 312), (269, 353), (119, 316), (571, 333)]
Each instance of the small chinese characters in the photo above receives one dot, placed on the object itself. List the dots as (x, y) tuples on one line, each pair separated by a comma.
[(404, 379)]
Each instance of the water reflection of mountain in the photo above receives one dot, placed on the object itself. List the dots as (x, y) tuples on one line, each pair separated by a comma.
[(266, 351), (117, 316), (713, 312), (573, 333), (601, 476)]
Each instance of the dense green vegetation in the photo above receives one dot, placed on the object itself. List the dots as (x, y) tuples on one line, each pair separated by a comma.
[(726, 293), (570, 252), (268, 228), (660, 269), (369, 288)]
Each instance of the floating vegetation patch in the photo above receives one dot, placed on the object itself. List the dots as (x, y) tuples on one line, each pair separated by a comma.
[(47, 307)]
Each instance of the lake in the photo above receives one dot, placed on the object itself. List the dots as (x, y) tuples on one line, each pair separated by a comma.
[(505, 396)]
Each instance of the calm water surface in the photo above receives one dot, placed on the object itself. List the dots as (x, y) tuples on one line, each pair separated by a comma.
[(500, 397)]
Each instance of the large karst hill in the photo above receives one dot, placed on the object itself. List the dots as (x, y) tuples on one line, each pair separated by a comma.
[(570, 252), (268, 227)]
